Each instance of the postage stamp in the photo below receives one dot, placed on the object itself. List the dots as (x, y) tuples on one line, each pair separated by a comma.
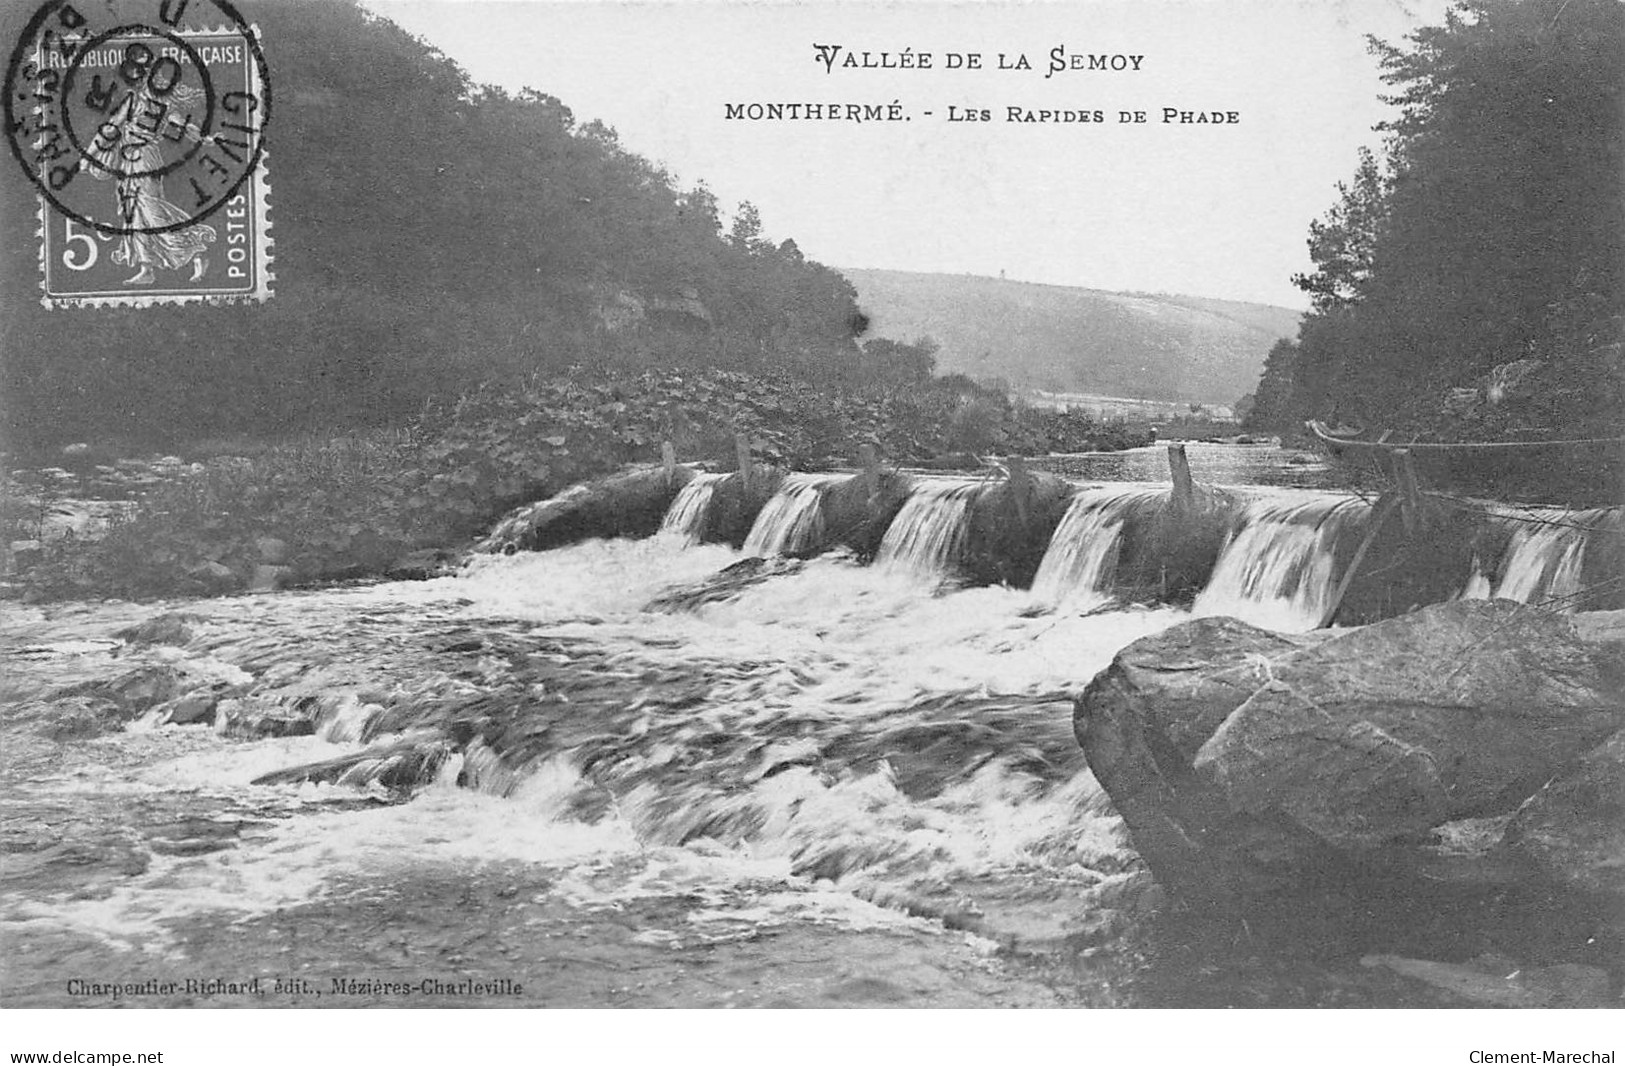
[(142, 126)]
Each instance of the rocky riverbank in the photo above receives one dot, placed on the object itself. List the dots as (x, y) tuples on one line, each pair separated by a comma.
[(1453, 774)]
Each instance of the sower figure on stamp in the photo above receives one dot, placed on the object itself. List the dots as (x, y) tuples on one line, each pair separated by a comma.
[(133, 156)]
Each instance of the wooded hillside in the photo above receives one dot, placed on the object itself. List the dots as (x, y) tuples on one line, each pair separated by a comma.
[(430, 233), (1470, 279)]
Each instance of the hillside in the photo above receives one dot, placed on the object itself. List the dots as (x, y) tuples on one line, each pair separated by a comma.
[(430, 234), (1063, 339)]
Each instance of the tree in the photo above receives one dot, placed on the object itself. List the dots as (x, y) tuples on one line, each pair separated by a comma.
[(746, 232), (888, 362), (431, 233), (1272, 405), (1343, 245), (1489, 233)]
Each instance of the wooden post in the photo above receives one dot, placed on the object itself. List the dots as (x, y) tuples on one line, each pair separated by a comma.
[(1410, 497), (742, 454), (1379, 515), (1179, 467), (1021, 484), (869, 461), (668, 459)]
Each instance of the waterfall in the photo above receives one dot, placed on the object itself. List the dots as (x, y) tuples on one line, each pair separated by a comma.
[(927, 533), (1277, 568), (1479, 586), (1082, 555), (1543, 560), (793, 519), (687, 515)]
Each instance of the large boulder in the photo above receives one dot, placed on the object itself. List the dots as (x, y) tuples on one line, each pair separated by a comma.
[(1244, 761), (1573, 829), (629, 503)]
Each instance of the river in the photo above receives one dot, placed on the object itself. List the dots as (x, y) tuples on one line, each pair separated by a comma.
[(843, 785)]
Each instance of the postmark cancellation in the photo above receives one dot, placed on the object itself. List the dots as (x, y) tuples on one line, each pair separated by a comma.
[(143, 132)]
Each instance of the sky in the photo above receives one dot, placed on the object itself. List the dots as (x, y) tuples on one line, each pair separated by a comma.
[(1218, 210)]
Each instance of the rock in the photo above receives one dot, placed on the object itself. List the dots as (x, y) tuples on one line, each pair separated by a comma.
[(1606, 628), (1373, 711), (172, 629), (250, 718), (190, 709), (1244, 761), (1573, 829), (736, 503), (136, 692), (1493, 981), (420, 565), (215, 576), (1180, 685), (270, 578), (859, 519), (1136, 893), (273, 550), (629, 503), (1511, 381), (400, 765), (1460, 401), (725, 584), (70, 717)]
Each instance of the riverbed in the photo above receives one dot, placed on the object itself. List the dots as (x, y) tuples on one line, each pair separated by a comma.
[(845, 785)]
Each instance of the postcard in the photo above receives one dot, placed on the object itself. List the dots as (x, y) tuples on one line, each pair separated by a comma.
[(1087, 505)]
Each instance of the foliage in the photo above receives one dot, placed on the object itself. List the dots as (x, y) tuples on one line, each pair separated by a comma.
[(431, 234), (352, 506), (1488, 237), (1344, 245), (892, 363), (1272, 404)]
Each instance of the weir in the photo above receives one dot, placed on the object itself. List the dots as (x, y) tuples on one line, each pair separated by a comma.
[(1279, 565), (691, 510), (1544, 561), (1288, 559), (1082, 558), (793, 519), (926, 536)]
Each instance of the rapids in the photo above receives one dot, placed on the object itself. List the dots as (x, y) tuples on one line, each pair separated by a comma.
[(841, 761), (827, 742)]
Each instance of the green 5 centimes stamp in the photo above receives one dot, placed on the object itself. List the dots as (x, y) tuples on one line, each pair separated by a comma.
[(142, 124)]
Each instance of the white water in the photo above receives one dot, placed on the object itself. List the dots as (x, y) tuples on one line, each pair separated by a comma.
[(810, 753), (827, 729), (925, 538), (1277, 568), (1078, 567), (793, 520), (1543, 560), (689, 512)]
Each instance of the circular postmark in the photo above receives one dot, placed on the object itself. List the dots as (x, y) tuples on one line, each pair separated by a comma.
[(142, 117)]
